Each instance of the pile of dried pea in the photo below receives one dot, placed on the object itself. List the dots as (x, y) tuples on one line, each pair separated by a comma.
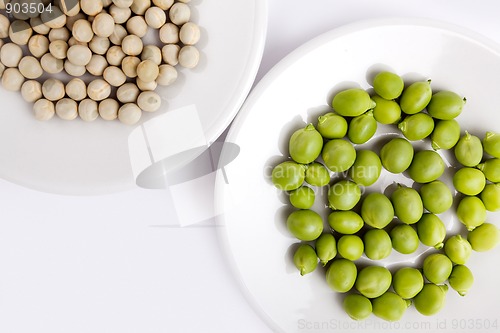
[(98, 44), (375, 224)]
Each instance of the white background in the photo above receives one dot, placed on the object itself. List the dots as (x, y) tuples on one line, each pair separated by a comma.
[(122, 263)]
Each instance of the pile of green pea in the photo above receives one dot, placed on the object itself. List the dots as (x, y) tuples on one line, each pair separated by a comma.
[(371, 225)]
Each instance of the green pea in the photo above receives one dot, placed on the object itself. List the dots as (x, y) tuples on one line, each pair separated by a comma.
[(426, 166), (341, 275), (288, 175), (491, 144), (345, 222), (458, 249), (326, 248), (416, 97), (436, 197), (377, 210), (366, 168), (445, 105), (404, 239), (469, 150), (431, 230), (461, 279), (378, 244), (469, 181), (388, 85), (305, 144), (302, 198), (358, 307), (305, 259), (437, 268), (352, 102), (471, 212), (339, 155), (317, 174), (390, 306), (430, 300), (407, 282), (373, 281), (491, 169), (491, 197), (305, 224), (350, 247), (417, 126), (445, 135), (344, 195), (386, 111), (332, 126), (484, 238), (407, 204), (396, 155), (362, 128)]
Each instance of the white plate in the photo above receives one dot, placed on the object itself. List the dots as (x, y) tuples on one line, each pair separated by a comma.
[(92, 158), (293, 93)]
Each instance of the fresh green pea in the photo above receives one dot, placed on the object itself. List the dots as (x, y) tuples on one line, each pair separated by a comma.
[(302, 198), (339, 155), (332, 126), (431, 230), (390, 306), (388, 85), (288, 175), (461, 279), (416, 97), (491, 197), (305, 144), (426, 166), (436, 197), (469, 150), (377, 210), (341, 275), (430, 300), (437, 268), (373, 281), (366, 168), (458, 249), (445, 135), (386, 111), (317, 174), (344, 195), (305, 224), (378, 244), (305, 259), (345, 222), (351, 247), (326, 248), (417, 126), (469, 181), (404, 239), (471, 212), (358, 307), (352, 102), (396, 155), (491, 169), (445, 105), (407, 204), (491, 144), (362, 128), (484, 238), (407, 282)]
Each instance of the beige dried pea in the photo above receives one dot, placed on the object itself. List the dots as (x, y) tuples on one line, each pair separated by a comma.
[(108, 109), (97, 65), (53, 89), (149, 101), (114, 76), (44, 109), (98, 89), (136, 25), (38, 45), (67, 109), (12, 79), (88, 110), (128, 93), (30, 67), (50, 64), (76, 89), (31, 91), (20, 32), (129, 113), (11, 54), (58, 49)]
